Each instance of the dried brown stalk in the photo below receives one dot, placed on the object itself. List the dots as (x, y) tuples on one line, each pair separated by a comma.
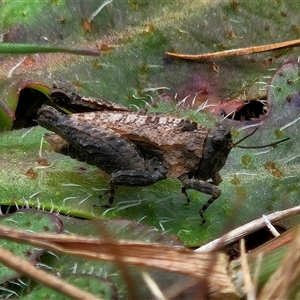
[(209, 266), (246, 229), (24, 267), (287, 275), (212, 268), (235, 52)]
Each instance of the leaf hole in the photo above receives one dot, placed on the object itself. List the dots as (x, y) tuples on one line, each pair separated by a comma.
[(253, 110), (29, 102)]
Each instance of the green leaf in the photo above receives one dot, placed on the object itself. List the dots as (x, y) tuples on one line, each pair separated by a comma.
[(26, 219), (97, 285), (133, 36)]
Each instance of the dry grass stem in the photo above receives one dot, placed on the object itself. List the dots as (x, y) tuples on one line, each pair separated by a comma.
[(246, 229), (235, 52), (24, 267), (249, 286), (287, 275), (211, 267), (153, 286)]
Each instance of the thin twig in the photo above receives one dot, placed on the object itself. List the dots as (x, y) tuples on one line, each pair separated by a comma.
[(153, 287), (249, 286), (246, 229), (235, 52)]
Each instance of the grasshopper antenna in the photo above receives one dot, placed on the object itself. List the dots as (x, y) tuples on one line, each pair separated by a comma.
[(256, 147)]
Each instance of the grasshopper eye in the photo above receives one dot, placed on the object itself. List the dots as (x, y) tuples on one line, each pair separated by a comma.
[(219, 141), (47, 113)]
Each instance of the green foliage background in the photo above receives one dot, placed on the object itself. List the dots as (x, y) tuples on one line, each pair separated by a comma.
[(133, 70)]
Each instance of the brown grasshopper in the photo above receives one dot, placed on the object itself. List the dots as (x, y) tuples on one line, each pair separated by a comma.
[(139, 149)]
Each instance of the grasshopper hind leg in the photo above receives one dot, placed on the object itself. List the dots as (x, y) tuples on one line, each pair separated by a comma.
[(133, 178)]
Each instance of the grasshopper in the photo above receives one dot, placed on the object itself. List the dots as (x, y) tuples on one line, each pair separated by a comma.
[(139, 149)]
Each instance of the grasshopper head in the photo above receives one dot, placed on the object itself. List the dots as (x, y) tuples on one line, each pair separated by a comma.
[(217, 146)]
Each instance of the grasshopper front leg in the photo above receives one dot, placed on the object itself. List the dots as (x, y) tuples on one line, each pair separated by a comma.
[(203, 187)]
